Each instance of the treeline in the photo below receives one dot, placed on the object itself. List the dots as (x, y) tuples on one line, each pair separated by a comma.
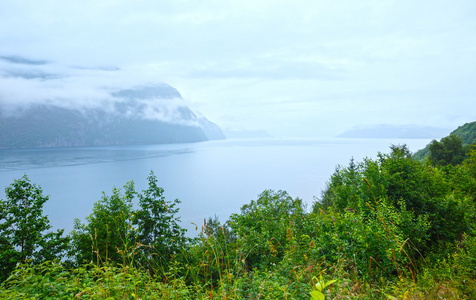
[(385, 228)]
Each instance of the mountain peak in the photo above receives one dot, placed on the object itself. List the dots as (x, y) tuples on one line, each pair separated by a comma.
[(152, 91)]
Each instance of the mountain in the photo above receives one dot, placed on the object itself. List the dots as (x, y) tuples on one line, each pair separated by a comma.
[(383, 131), (150, 114), (466, 132)]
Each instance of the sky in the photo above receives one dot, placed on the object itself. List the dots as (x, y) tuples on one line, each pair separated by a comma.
[(293, 68)]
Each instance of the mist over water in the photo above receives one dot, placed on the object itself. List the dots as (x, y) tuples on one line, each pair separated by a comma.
[(209, 178)]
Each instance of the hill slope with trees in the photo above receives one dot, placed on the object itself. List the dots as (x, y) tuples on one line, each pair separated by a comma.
[(458, 141)]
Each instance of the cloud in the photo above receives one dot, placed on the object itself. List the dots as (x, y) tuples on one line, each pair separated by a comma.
[(22, 60), (84, 88), (270, 69), (26, 84), (30, 74), (158, 101), (99, 68)]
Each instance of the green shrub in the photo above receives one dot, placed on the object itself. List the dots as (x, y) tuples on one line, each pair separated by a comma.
[(261, 227)]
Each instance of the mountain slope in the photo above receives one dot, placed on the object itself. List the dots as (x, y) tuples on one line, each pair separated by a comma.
[(466, 132), (143, 115)]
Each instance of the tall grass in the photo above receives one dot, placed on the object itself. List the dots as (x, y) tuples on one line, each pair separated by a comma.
[(213, 267)]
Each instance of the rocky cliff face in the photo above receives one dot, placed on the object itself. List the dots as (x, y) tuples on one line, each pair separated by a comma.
[(143, 115)]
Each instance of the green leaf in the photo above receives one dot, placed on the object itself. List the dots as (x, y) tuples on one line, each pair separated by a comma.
[(329, 283), (316, 295), (319, 286)]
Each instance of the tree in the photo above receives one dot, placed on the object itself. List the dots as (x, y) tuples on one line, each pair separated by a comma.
[(158, 226), (449, 151), (263, 226), (409, 186), (463, 178), (116, 232), (23, 226), (108, 234)]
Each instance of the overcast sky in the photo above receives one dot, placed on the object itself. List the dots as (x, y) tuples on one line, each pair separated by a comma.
[(293, 68)]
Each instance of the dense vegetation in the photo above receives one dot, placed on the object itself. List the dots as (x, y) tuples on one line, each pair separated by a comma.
[(456, 145), (385, 228)]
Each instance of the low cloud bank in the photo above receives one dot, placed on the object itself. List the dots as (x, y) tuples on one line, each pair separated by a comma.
[(27, 82)]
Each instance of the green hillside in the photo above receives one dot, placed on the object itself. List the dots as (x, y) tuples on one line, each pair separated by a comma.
[(466, 132)]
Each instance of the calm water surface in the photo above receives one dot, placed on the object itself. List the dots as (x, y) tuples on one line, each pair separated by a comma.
[(210, 178)]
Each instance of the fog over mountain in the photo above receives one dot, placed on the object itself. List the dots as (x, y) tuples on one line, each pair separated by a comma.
[(43, 105)]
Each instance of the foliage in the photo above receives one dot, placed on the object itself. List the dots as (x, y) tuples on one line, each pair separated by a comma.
[(467, 134), (115, 232), (262, 225), (23, 226), (463, 177), (212, 255), (419, 191), (158, 226), (319, 287), (108, 233), (384, 228), (449, 151), (51, 280)]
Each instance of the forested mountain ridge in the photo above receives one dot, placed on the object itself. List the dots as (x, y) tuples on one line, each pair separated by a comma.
[(467, 133), (464, 135), (142, 115)]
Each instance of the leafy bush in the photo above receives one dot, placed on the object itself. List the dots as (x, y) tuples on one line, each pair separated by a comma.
[(51, 280), (418, 190), (262, 225)]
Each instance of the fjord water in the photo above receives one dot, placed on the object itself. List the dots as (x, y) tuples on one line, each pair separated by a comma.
[(209, 178)]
